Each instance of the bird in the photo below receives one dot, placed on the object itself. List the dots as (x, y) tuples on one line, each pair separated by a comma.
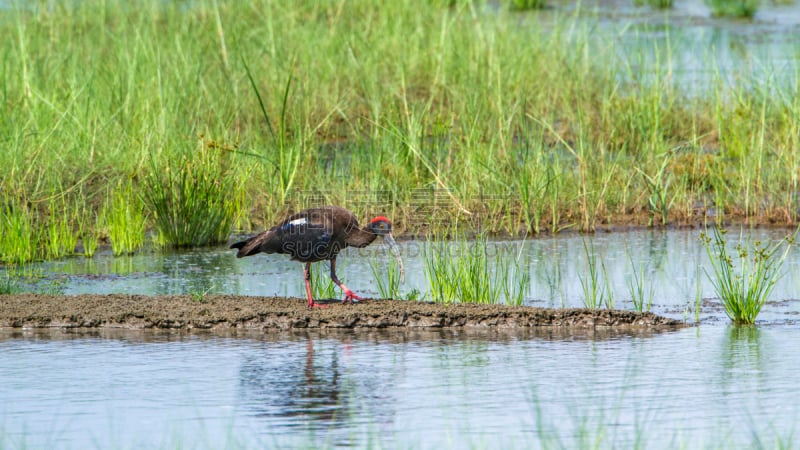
[(318, 234)]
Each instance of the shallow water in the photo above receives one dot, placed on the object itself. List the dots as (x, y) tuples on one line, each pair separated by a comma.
[(714, 385), (674, 263), (685, 46)]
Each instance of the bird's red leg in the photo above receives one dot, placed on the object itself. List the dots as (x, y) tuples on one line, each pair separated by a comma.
[(349, 296), (307, 275)]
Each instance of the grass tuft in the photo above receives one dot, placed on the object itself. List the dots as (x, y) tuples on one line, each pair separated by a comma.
[(61, 238), (124, 220), (596, 286), (387, 276), (18, 233), (528, 4), (193, 202), (744, 291), (642, 293), (659, 4), (8, 285), (322, 286), (463, 272), (733, 8)]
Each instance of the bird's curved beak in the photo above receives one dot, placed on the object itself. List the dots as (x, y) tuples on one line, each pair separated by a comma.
[(396, 250)]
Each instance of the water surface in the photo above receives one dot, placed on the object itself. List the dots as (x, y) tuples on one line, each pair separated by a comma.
[(715, 386), (674, 263), (710, 386)]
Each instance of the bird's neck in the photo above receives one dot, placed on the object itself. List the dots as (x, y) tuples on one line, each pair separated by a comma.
[(361, 237)]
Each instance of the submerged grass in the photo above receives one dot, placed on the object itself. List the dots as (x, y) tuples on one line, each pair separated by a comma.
[(744, 290), (8, 285), (431, 114), (20, 279)]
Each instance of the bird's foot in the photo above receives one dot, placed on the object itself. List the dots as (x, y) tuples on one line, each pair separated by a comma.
[(349, 296), (312, 305)]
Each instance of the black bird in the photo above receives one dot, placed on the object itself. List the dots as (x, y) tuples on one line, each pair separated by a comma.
[(318, 234)]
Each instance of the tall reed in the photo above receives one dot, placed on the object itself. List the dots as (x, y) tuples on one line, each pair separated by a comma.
[(513, 275)]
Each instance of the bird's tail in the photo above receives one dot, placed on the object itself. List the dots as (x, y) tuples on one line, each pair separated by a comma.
[(252, 246), (240, 245)]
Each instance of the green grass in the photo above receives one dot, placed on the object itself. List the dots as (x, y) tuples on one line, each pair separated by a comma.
[(595, 283), (744, 279), (641, 289), (89, 230), (61, 237), (270, 107), (474, 272), (386, 273), (124, 220), (49, 229), (322, 286), (733, 8), (200, 295), (528, 4), (658, 187), (19, 234), (8, 285), (660, 4), (194, 201), (458, 272), (20, 279)]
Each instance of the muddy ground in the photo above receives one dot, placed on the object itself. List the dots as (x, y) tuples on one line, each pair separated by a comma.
[(229, 312)]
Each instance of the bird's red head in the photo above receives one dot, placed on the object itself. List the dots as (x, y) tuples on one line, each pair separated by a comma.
[(380, 225)]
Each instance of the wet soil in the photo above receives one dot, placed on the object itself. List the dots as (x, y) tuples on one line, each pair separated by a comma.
[(229, 312)]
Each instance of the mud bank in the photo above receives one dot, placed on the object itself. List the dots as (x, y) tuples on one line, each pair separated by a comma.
[(226, 312)]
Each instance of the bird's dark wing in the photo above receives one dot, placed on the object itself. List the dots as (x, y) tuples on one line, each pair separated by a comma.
[(306, 236)]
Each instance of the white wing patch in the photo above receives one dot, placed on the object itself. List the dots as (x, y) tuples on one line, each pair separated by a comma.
[(300, 221)]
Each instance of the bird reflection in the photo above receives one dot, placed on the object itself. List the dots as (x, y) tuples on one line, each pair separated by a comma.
[(283, 384), (319, 386)]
